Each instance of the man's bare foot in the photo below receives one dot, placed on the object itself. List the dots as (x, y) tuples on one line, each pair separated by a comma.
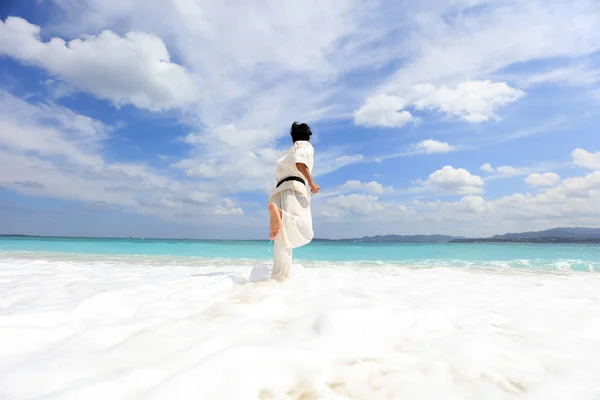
[(274, 220)]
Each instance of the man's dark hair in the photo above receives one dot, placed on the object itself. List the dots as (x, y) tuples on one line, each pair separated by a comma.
[(300, 131)]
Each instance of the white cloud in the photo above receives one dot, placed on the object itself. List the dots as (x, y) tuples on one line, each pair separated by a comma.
[(586, 159), (487, 167), (241, 159), (198, 197), (239, 168), (545, 179), (500, 34), (473, 101), (475, 45), (569, 199), (568, 204), (580, 187), (231, 137), (474, 204), (363, 209), (509, 170), (229, 208), (504, 171), (47, 150), (49, 130), (248, 83), (369, 187), (455, 180), (297, 69), (384, 111), (357, 204), (329, 161), (263, 74), (242, 171), (196, 169), (430, 146), (578, 75), (134, 69), (464, 209)]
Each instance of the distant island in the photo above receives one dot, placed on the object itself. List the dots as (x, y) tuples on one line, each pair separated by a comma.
[(556, 235), (397, 239)]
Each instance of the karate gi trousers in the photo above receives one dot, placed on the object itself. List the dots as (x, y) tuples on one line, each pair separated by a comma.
[(296, 230)]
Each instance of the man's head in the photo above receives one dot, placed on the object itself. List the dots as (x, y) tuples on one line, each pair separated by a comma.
[(300, 131)]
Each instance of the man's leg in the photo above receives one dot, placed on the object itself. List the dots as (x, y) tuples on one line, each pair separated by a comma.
[(296, 219), (295, 229), (274, 220), (282, 260)]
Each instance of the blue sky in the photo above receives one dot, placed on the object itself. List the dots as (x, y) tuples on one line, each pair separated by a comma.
[(470, 117)]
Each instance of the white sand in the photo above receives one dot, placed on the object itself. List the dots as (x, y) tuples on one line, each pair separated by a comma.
[(137, 328)]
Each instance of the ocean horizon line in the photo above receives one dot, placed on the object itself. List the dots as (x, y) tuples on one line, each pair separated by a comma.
[(341, 240), (554, 236)]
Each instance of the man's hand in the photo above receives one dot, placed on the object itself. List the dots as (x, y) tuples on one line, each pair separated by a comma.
[(304, 170)]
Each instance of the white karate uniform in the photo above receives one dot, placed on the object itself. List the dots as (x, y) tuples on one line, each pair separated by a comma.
[(293, 198)]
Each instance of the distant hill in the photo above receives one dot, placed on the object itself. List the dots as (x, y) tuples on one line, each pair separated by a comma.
[(556, 235), (399, 239)]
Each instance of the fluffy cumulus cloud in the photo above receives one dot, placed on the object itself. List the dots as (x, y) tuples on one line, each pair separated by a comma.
[(498, 35), (229, 208), (385, 111), (47, 150), (474, 204), (487, 167), (243, 160), (430, 146), (466, 209), (132, 69), (472, 101), (568, 202), (455, 181), (545, 179), (586, 159), (356, 204), (556, 202), (434, 78), (49, 130), (509, 170), (258, 77), (504, 171), (368, 187)]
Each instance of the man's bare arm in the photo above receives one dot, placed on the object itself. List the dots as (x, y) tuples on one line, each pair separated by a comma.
[(304, 170)]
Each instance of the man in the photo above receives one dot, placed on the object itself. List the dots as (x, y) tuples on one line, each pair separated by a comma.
[(289, 203)]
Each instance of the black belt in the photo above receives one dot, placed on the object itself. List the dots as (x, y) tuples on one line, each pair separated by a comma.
[(291, 178)]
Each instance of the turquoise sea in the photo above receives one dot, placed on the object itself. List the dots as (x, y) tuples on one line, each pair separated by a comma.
[(535, 256)]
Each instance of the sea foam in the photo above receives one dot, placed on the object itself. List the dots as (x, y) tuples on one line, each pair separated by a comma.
[(83, 327)]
